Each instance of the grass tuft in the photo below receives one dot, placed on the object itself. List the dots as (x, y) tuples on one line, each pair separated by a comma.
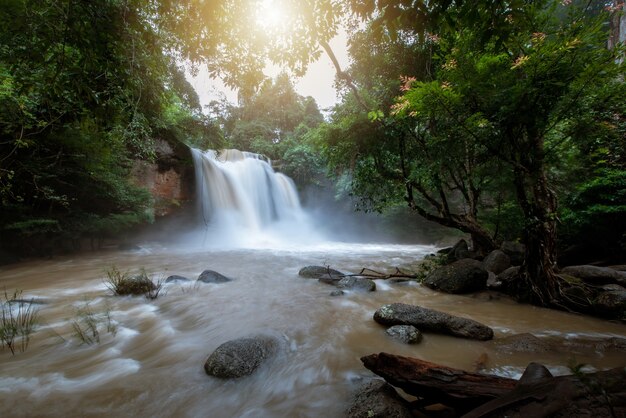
[(18, 321), (123, 283)]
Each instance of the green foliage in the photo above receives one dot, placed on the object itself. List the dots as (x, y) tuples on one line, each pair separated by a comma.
[(18, 321)]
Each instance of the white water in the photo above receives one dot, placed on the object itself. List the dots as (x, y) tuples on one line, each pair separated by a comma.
[(243, 203)]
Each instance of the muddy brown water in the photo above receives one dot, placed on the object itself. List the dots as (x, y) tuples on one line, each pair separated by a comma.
[(149, 360)]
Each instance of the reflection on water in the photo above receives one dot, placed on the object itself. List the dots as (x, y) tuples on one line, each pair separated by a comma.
[(150, 360)]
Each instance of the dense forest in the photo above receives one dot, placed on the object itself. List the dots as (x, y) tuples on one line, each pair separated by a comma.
[(504, 120)]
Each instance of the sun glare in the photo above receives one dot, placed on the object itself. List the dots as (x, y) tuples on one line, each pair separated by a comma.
[(271, 14)]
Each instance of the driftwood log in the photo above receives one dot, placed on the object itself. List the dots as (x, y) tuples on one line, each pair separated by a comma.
[(537, 394)]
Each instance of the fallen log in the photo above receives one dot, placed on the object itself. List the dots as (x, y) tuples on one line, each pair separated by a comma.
[(537, 394), (462, 390)]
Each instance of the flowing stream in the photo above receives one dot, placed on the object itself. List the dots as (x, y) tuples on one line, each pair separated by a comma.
[(146, 357)]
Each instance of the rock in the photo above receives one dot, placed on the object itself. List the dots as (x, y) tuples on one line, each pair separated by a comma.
[(459, 251), (318, 272), (613, 288), (534, 372), (596, 275), (357, 283), (174, 278), (611, 304), (331, 280), (210, 276), (492, 281), (431, 320), (463, 276), (506, 279), (515, 251), (445, 250), (337, 293), (527, 343), (407, 334), (378, 399), (240, 357), (497, 261)]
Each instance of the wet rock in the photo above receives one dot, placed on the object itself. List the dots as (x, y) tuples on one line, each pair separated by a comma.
[(596, 275), (534, 372), (337, 293), (319, 272), (445, 250), (497, 261), (505, 280), (459, 251), (612, 304), (331, 280), (431, 320), (240, 357), (210, 276), (175, 278), (527, 343), (407, 334), (492, 281), (463, 276), (378, 399), (357, 283), (515, 251)]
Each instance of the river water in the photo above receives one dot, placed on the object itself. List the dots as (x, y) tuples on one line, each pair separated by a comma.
[(150, 355)]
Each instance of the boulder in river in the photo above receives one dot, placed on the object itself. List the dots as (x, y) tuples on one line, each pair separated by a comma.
[(497, 261), (505, 280), (319, 272), (210, 276), (463, 276), (431, 320), (240, 357), (515, 250), (378, 399), (175, 278), (407, 334), (357, 283), (459, 251), (596, 275), (611, 303)]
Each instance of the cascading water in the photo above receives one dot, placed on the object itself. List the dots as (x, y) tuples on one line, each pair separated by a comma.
[(242, 201)]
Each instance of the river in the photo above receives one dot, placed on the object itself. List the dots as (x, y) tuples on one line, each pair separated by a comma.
[(150, 355)]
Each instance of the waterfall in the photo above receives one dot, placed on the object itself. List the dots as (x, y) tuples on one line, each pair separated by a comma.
[(241, 198)]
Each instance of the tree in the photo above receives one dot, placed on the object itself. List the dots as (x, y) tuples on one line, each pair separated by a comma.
[(523, 90)]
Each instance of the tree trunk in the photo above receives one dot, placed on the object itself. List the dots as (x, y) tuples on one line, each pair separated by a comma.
[(539, 284)]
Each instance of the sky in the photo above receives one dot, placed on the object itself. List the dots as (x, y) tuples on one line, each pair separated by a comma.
[(317, 82)]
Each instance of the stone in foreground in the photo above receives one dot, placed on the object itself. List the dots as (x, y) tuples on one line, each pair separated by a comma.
[(378, 399), (210, 276), (431, 320), (407, 334), (241, 357)]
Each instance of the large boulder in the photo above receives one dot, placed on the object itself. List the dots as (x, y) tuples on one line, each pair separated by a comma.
[(431, 320), (407, 334), (240, 357), (378, 399), (463, 276), (497, 261), (210, 276), (596, 275), (459, 251), (515, 251), (320, 272), (356, 283)]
